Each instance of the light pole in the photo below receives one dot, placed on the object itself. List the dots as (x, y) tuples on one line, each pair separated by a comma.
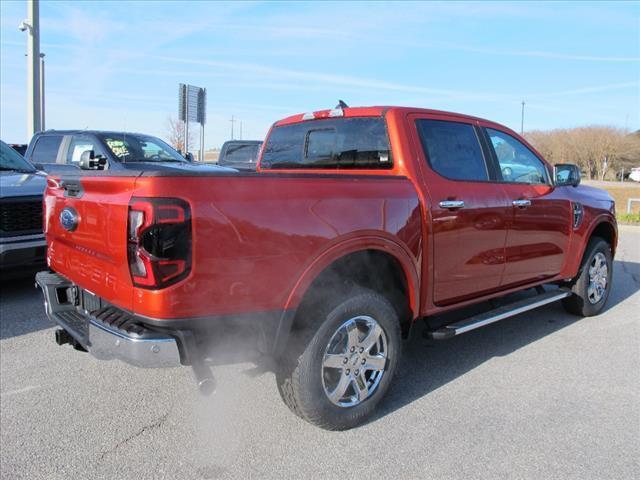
[(42, 127), (522, 120), (233, 120), (32, 26), (240, 129)]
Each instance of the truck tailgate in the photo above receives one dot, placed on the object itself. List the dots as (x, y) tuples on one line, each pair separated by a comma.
[(88, 243)]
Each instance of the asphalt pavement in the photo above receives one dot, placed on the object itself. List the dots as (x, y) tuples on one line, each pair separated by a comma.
[(543, 395)]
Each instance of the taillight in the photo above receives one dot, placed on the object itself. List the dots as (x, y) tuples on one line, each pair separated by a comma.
[(159, 241)]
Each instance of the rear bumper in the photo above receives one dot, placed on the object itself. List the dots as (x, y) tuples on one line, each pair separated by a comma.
[(103, 330)]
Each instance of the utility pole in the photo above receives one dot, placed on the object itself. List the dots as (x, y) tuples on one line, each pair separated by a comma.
[(42, 127), (522, 120), (32, 26), (240, 129), (233, 120)]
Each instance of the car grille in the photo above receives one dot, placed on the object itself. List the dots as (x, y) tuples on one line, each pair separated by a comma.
[(20, 218)]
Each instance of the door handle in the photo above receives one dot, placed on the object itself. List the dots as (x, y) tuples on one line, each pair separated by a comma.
[(452, 204), (522, 203)]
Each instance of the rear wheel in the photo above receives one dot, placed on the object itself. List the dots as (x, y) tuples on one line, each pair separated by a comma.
[(337, 371), (591, 287)]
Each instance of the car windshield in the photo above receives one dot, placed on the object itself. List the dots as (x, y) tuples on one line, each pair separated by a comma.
[(11, 160), (129, 147)]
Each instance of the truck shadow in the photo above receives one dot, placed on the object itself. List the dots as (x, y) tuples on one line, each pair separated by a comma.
[(21, 308), (428, 365)]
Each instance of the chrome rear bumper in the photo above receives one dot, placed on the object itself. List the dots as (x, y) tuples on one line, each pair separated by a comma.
[(104, 330)]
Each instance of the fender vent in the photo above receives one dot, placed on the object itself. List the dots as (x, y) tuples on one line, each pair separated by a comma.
[(578, 215)]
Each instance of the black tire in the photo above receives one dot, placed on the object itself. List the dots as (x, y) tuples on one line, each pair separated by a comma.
[(579, 303), (300, 372)]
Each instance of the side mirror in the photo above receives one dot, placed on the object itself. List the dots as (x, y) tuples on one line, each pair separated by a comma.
[(566, 175), (39, 166), (189, 156), (89, 161)]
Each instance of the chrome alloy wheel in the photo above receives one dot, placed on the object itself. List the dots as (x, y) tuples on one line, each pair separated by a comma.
[(354, 361), (598, 278)]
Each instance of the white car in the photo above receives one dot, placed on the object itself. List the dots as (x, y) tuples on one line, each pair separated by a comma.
[(635, 174)]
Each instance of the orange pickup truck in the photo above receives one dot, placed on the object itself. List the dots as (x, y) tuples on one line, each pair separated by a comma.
[(356, 223)]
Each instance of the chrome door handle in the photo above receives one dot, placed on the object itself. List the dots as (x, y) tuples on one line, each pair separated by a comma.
[(452, 204), (521, 203)]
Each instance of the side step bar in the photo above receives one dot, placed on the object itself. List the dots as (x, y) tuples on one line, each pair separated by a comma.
[(500, 313)]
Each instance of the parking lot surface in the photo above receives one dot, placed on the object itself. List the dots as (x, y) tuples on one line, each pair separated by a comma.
[(541, 395)]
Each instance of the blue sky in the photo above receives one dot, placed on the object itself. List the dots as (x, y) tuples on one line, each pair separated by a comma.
[(117, 65)]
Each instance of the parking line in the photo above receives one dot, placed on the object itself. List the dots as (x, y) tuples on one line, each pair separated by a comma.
[(20, 390)]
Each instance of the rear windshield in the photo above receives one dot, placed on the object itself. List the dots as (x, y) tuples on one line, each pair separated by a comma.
[(240, 154), (336, 143)]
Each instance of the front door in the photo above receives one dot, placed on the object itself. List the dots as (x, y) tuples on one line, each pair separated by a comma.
[(538, 239), (468, 213)]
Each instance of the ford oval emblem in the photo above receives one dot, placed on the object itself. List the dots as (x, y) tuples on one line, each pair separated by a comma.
[(69, 219)]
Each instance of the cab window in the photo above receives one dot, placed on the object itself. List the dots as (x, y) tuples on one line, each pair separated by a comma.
[(453, 150), (517, 163)]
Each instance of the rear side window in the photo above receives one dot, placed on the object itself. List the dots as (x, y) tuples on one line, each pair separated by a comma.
[(453, 150), (338, 143), (46, 149)]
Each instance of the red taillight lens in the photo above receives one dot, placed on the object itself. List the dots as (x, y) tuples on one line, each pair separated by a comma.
[(159, 241)]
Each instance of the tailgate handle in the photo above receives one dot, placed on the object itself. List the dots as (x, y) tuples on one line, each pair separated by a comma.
[(72, 188)]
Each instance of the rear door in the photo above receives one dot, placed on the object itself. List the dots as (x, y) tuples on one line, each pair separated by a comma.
[(468, 212), (538, 239), (89, 245)]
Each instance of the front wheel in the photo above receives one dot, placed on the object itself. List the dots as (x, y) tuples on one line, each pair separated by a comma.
[(338, 371), (593, 283)]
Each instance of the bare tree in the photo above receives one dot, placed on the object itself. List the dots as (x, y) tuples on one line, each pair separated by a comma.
[(598, 150), (175, 134)]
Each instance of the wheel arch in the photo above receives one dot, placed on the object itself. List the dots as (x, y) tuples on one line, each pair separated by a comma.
[(604, 228), (374, 254)]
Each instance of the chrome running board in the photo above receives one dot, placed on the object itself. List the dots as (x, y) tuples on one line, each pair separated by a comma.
[(500, 313)]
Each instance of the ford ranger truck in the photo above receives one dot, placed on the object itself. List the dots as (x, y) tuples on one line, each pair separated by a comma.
[(357, 223)]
